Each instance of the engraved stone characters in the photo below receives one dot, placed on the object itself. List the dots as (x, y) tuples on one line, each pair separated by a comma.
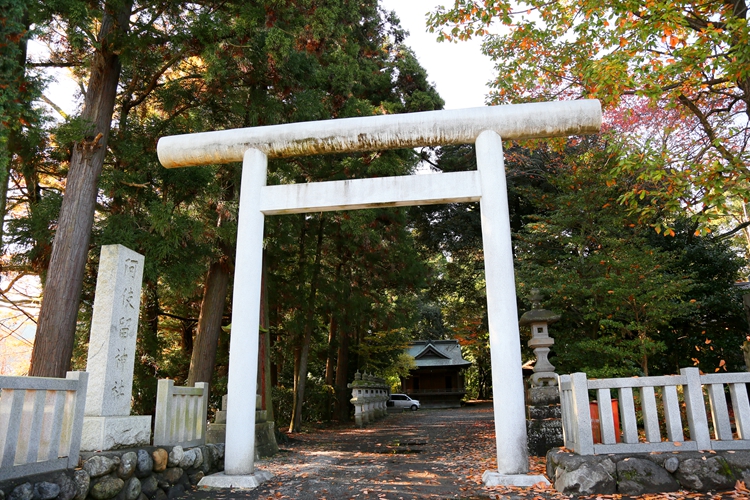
[(114, 325)]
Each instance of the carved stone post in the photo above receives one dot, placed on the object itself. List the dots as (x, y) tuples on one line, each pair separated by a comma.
[(107, 424), (369, 395)]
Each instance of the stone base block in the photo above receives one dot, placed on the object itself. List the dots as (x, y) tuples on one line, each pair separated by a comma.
[(221, 481), (113, 433), (543, 435), (216, 433), (547, 395), (543, 412), (265, 440), (494, 478)]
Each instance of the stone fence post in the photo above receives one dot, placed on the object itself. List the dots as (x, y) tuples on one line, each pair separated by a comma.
[(369, 397)]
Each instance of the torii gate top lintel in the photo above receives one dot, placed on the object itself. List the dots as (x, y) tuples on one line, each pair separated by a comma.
[(369, 133)]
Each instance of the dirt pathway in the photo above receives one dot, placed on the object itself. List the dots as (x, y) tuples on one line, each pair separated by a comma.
[(423, 454), (428, 454)]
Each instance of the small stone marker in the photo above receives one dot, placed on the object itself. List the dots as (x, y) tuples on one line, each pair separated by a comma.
[(107, 423)]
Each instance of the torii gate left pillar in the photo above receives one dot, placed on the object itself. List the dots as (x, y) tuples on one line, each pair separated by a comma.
[(483, 126)]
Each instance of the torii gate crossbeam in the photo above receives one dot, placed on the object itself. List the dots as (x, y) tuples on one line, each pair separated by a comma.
[(483, 126)]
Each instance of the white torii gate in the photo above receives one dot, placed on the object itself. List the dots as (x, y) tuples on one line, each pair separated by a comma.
[(483, 126)]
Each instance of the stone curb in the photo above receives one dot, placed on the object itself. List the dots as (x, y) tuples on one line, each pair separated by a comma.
[(146, 473), (637, 474)]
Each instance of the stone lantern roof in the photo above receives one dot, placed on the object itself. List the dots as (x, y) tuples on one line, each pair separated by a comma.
[(536, 314)]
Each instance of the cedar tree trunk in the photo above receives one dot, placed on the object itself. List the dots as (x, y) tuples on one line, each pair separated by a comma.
[(342, 368), (265, 348), (299, 395), (14, 26), (203, 358), (55, 334)]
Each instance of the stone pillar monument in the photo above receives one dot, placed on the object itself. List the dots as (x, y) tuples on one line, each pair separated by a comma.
[(544, 420), (107, 423)]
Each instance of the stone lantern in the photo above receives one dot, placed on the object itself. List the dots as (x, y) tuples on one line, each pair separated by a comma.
[(544, 423), (538, 319)]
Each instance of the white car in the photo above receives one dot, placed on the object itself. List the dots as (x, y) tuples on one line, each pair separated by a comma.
[(403, 401)]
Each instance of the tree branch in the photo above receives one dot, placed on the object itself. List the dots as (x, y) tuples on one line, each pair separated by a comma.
[(733, 231), (16, 306), (57, 108), (181, 318), (707, 128), (53, 64), (13, 282)]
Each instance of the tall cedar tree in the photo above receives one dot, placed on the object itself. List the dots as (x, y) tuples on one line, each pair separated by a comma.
[(246, 65), (53, 343), (14, 20)]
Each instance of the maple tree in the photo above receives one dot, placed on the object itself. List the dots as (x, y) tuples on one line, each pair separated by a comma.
[(691, 57)]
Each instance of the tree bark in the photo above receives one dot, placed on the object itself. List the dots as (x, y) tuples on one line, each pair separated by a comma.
[(299, 395), (333, 326), (330, 360), (296, 335), (341, 409), (264, 364), (333, 334), (146, 370), (342, 368), (55, 335), (203, 358), (277, 362)]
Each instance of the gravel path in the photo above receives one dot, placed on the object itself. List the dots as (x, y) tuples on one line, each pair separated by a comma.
[(428, 454), (409, 455)]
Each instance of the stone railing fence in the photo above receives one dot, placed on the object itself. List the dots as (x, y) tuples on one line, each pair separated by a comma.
[(181, 414), (674, 390), (369, 397), (40, 423)]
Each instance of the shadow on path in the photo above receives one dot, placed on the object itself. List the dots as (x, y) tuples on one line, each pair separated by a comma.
[(428, 454)]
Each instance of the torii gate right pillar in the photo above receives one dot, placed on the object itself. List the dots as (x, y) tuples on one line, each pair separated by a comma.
[(505, 343)]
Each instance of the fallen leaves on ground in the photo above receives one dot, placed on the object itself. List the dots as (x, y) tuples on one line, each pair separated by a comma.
[(422, 455)]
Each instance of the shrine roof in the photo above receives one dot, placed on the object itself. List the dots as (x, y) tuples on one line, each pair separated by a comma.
[(428, 353)]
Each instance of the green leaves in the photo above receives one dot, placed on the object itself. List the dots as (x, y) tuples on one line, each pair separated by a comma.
[(618, 293), (692, 57)]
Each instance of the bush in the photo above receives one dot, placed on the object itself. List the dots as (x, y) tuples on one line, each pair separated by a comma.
[(317, 407)]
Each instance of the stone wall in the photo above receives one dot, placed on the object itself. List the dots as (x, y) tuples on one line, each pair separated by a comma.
[(147, 473), (637, 474)]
